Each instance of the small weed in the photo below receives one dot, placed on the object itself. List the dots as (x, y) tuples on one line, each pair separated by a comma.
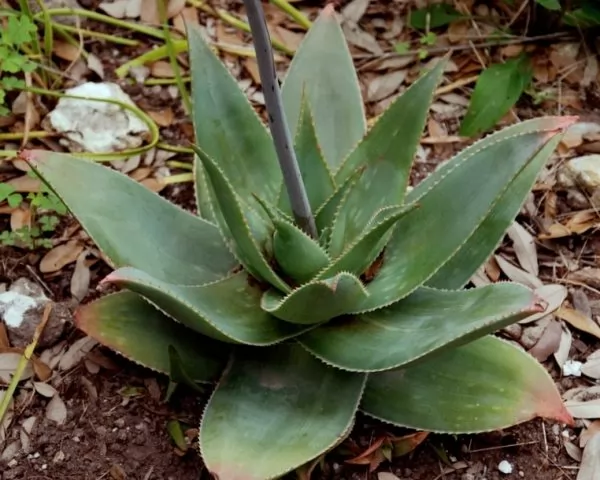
[(16, 31), (45, 212)]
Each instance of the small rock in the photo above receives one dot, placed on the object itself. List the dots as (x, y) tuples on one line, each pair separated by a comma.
[(22, 308), (582, 171), (98, 127), (533, 333), (505, 467), (572, 368), (514, 331)]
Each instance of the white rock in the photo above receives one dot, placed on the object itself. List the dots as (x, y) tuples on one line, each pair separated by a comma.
[(505, 467), (582, 171), (95, 126), (22, 308), (572, 368)]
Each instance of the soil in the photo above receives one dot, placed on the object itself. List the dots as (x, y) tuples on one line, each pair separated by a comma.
[(117, 419)]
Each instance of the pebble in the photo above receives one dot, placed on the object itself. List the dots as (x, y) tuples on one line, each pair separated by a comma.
[(505, 467)]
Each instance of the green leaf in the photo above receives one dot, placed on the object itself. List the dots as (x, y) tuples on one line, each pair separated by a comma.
[(588, 16), (457, 272), (235, 224), (227, 127), (549, 4), (314, 170), (132, 225), (178, 373), (318, 301), (426, 322), (451, 208), (497, 90), (433, 16), (362, 253), (297, 254), (386, 153), (227, 310), (5, 191), (129, 325), (322, 68), (324, 216), (275, 410), (485, 385), (19, 30)]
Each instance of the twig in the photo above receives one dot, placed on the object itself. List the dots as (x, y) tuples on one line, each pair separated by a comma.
[(277, 121), (459, 48)]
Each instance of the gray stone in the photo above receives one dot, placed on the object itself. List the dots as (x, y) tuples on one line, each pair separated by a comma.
[(22, 308)]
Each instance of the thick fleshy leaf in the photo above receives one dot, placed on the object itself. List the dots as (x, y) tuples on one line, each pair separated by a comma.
[(318, 301), (325, 215), (132, 225), (322, 69), (450, 212), (226, 126), (358, 256), (462, 266), (387, 152), (426, 322), (298, 255), (228, 310), (128, 324), (485, 385), (317, 178), (234, 223), (274, 410)]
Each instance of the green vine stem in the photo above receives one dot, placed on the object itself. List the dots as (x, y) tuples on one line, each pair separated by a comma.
[(293, 12), (109, 157)]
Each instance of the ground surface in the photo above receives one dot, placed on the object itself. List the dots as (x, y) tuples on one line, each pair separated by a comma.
[(114, 423)]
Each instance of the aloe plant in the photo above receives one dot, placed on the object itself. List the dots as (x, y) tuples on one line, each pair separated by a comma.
[(294, 332)]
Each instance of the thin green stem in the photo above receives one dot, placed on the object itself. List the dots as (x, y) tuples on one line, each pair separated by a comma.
[(109, 157), (185, 97), (236, 23), (179, 178), (280, 131), (293, 12), (102, 36), (134, 27)]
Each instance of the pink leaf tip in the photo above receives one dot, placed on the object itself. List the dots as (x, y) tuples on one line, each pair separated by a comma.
[(329, 10)]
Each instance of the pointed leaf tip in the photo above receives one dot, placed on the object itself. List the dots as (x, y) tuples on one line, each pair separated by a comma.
[(329, 10), (29, 156)]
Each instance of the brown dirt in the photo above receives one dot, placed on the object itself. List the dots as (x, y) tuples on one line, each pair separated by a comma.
[(116, 424)]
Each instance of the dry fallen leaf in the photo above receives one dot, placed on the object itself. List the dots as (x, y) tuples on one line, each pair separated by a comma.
[(590, 460), (163, 118), (516, 274), (548, 343), (65, 50), (162, 69), (578, 320), (591, 367), (579, 223), (44, 389), (80, 281), (8, 364), (20, 218), (386, 476), (76, 352), (584, 409), (525, 248), (382, 86), (554, 295), (562, 354), (60, 256), (95, 65), (25, 184), (122, 8), (592, 429), (56, 410)]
